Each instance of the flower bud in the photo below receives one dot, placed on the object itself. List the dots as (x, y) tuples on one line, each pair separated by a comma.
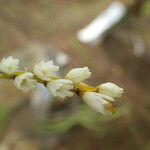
[(99, 102), (61, 88), (45, 71), (78, 74), (110, 89), (9, 65), (25, 82)]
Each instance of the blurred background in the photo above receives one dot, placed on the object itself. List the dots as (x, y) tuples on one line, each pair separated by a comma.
[(35, 30)]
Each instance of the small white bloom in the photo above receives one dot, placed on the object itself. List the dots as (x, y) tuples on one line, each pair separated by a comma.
[(110, 89), (98, 102), (78, 74), (45, 71), (61, 88), (25, 82), (9, 65)]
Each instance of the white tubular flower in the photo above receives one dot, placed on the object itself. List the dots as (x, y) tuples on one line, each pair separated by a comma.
[(25, 82), (78, 74), (99, 102), (61, 88), (9, 65), (110, 89), (45, 71)]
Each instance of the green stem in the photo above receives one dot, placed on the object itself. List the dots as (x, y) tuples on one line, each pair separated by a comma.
[(38, 79), (11, 76), (5, 76)]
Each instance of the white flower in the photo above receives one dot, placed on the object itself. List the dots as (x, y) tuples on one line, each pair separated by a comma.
[(110, 89), (78, 74), (45, 71), (9, 65), (25, 82), (98, 102), (61, 88)]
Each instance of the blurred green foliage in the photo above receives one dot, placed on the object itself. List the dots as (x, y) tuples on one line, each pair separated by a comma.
[(84, 117), (146, 8), (4, 116)]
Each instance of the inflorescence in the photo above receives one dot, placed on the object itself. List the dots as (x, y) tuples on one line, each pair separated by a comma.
[(99, 98)]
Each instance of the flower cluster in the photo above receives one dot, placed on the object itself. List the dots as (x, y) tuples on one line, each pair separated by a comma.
[(99, 98)]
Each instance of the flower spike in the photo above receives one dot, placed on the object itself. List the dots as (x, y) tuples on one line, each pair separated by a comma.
[(99, 98)]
